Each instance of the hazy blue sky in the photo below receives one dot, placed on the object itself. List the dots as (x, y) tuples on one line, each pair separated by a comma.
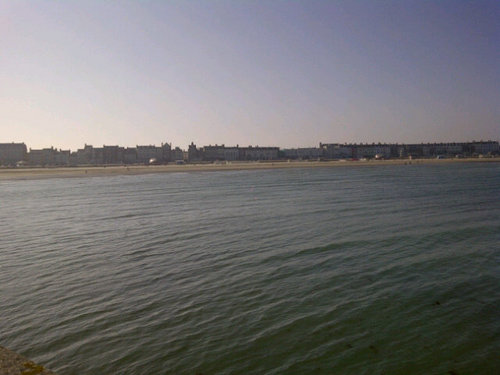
[(285, 73)]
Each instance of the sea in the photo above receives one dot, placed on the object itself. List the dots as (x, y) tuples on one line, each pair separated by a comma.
[(348, 270)]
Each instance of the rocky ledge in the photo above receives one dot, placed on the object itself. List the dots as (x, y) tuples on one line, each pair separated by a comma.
[(14, 364)]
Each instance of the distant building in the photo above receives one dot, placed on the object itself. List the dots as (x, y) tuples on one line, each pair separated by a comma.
[(259, 153), (85, 155), (213, 153), (62, 157), (49, 156), (484, 148), (98, 155), (11, 153), (193, 153), (416, 150), (112, 154), (177, 154), (373, 150), (130, 155), (42, 157), (168, 152), (337, 151), (146, 153), (233, 153), (303, 153), (440, 149), (90, 155)]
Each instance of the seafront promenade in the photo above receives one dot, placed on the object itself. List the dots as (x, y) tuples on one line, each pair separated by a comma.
[(24, 173), (12, 363)]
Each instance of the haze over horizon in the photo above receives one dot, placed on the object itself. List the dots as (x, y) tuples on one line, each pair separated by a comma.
[(280, 73)]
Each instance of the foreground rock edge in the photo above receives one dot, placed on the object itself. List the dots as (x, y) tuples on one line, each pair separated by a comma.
[(12, 363)]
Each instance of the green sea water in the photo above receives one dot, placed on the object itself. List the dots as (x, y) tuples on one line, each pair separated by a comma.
[(354, 270)]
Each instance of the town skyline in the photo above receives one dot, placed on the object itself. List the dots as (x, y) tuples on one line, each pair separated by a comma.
[(17, 154), (241, 145), (150, 141), (246, 72)]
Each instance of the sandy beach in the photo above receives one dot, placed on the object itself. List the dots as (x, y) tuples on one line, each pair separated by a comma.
[(100, 171)]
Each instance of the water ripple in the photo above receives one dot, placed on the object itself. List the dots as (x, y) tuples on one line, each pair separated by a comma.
[(346, 271)]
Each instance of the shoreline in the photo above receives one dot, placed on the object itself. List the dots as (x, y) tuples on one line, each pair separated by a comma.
[(34, 173)]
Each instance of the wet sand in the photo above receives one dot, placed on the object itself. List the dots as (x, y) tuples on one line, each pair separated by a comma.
[(24, 173)]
